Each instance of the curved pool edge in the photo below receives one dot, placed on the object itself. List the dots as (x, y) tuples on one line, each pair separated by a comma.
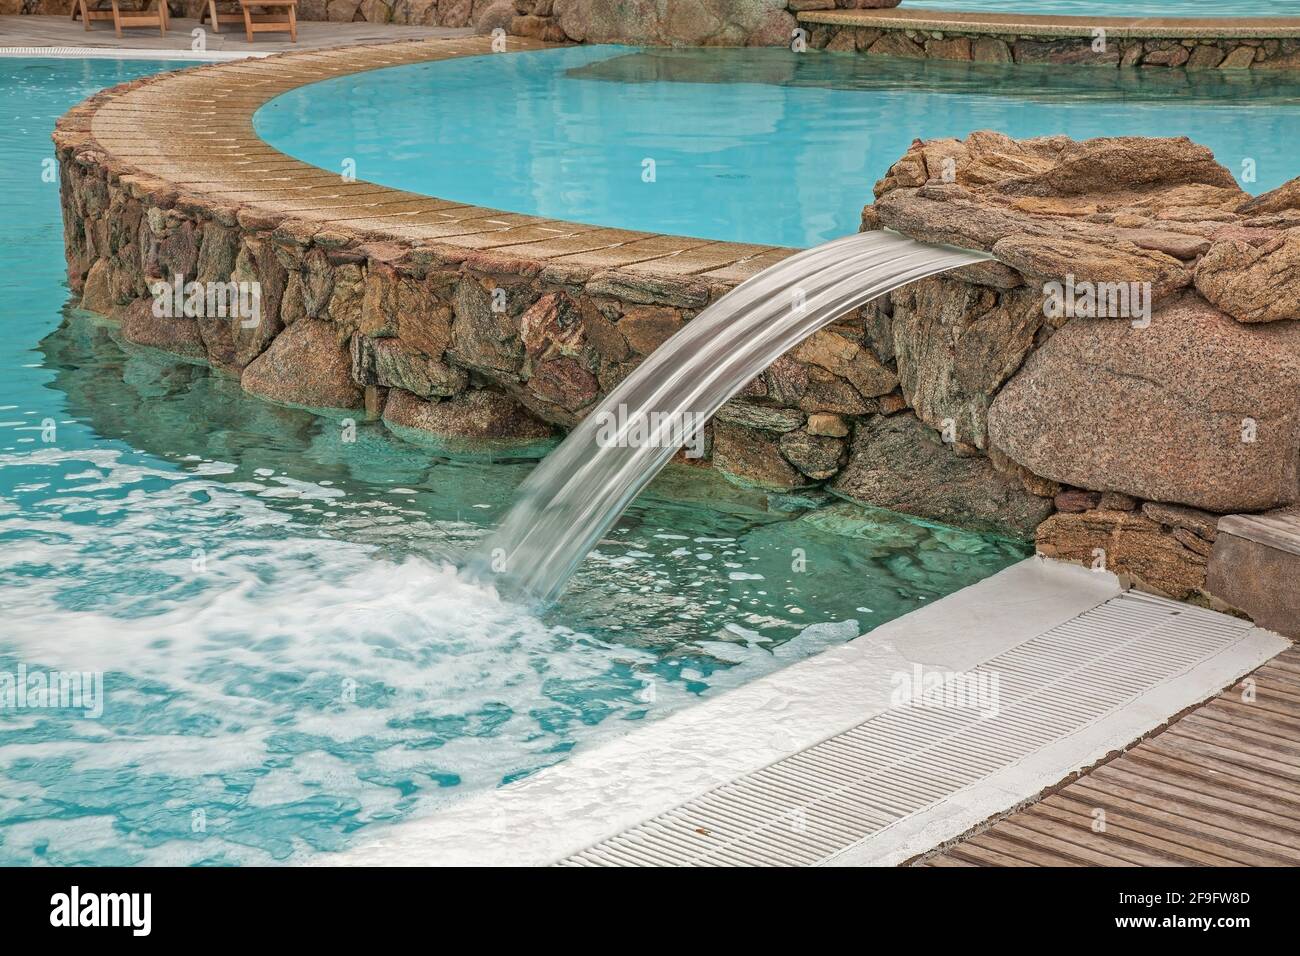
[(471, 323), (219, 169)]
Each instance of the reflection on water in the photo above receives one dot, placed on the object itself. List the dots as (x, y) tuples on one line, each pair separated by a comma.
[(288, 649), (287, 652), (1029, 82)]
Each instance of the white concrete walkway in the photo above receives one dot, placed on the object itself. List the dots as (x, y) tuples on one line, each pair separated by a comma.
[(608, 792)]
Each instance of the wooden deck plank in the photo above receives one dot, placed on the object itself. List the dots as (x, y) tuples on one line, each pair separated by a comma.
[(1202, 792), (1178, 847), (1277, 529), (1230, 830), (1272, 695), (976, 853), (1083, 837), (1262, 748), (1219, 787), (1168, 754), (1278, 671), (1194, 751), (1191, 847), (1267, 722), (1033, 833), (1288, 661), (1169, 791)]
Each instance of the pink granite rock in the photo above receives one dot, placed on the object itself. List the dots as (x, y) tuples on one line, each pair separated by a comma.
[(307, 364), (477, 414), (1196, 409), (1253, 283)]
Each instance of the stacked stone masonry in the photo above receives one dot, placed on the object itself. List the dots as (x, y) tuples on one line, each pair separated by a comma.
[(1144, 426), (984, 46), (956, 399)]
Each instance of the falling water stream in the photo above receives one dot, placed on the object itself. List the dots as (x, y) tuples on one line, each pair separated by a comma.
[(576, 495)]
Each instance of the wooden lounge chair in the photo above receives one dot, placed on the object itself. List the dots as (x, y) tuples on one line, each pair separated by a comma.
[(130, 17), (278, 16)]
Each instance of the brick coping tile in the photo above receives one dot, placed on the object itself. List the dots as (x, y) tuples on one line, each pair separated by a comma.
[(132, 130)]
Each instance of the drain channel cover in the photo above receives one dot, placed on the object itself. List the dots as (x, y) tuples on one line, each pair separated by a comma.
[(806, 808)]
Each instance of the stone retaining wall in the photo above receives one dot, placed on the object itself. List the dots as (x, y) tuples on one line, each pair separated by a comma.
[(1143, 428), (955, 399), (1200, 53), (468, 344)]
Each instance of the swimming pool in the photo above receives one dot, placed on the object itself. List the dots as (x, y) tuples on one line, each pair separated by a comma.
[(287, 655), (750, 145), (1118, 8)]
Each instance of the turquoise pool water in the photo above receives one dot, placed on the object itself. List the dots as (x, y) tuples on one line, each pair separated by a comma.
[(287, 655), (761, 145), (1120, 8)]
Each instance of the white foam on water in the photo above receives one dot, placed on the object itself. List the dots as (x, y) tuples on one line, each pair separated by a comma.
[(284, 673)]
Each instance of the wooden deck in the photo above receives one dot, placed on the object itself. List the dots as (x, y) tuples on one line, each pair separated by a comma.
[(1278, 529), (61, 32), (1218, 787)]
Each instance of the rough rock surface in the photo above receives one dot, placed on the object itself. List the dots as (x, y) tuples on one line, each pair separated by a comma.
[(480, 414), (1195, 409), (1091, 259), (1283, 199), (831, 350), (180, 336), (899, 463), (955, 344), (817, 456), (699, 23), (1254, 283), (1127, 544), (1104, 210), (1203, 524), (1154, 424), (1209, 53), (753, 458), (307, 364)]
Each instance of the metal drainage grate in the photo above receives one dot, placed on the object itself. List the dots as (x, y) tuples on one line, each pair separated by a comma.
[(809, 806)]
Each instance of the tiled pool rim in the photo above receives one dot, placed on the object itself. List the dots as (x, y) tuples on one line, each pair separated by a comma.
[(146, 136), (186, 140), (131, 131)]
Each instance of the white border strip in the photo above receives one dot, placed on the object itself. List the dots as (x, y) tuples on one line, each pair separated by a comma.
[(1012, 786), (112, 53), (601, 792)]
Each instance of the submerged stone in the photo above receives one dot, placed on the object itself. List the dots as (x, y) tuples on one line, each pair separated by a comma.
[(478, 413), (306, 364), (900, 464), (753, 459)]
